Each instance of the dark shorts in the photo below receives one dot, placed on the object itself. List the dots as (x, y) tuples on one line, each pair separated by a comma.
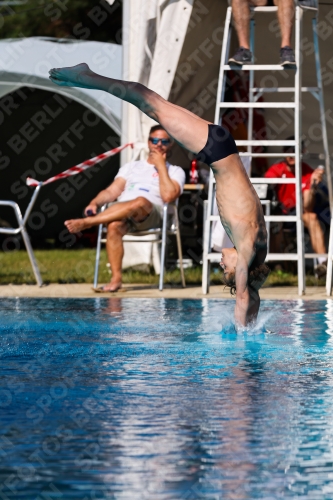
[(220, 144)]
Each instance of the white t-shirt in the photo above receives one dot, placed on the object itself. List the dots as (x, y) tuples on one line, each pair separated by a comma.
[(142, 179)]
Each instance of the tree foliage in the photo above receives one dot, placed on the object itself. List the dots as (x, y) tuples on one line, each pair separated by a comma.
[(78, 19)]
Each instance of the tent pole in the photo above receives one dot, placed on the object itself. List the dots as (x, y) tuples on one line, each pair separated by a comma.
[(124, 156)]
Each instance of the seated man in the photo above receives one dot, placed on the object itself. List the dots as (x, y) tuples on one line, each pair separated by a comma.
[(286, 195), (241, 15), (140, 188)]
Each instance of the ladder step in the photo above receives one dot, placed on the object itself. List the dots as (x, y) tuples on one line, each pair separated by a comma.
[(266, 155), (280, 218), (281, 256), (216, 256), (257, 105), (263, 8), (315, 255), (265, 143), (269, 180), (292, 256), (273, 8), (284, 89), (268, 218), (256, 67)]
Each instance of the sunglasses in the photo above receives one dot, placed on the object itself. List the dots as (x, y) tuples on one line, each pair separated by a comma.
[(156, 140)]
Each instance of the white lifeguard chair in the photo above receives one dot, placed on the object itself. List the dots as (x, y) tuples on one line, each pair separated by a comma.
[(254, 94)]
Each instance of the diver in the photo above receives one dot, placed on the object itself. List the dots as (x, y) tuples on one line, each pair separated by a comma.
[(239, 206)]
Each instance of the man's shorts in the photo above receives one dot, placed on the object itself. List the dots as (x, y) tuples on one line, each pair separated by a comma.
[(153, 221)]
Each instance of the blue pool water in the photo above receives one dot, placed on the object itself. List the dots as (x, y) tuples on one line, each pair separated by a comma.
[(161, 399)]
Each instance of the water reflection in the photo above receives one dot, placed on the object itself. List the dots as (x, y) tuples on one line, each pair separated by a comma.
[(113, 307)]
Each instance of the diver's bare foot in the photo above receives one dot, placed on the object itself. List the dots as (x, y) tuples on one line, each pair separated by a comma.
[(73, 76), (77, 225)]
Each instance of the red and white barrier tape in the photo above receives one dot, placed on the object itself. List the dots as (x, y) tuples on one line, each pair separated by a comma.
[(80, 167)]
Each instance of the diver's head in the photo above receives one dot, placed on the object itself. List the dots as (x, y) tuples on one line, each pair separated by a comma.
[(257, 275), (228, 264)]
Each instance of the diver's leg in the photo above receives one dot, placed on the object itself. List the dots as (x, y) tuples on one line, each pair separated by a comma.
[(186, 128)]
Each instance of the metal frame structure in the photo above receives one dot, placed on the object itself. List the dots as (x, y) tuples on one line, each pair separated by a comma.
[(21, 229), (254, 94), (162, 232), (330, 262)]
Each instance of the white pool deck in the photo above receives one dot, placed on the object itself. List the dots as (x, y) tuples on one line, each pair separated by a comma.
[(152, 292)]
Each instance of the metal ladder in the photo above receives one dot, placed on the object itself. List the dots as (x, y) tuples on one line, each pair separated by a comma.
[(254, 94), (329, 277)]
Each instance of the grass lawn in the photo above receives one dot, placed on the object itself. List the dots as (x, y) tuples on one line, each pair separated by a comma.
[(77, 266)]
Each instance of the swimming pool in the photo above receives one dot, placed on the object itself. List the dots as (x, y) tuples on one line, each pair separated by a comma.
[(160, 399)]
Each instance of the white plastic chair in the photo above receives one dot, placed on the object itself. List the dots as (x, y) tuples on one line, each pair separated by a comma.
[(21, 221), (170, 226)]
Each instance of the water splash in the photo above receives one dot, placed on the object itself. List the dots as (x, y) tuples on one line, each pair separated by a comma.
[(260, 326)]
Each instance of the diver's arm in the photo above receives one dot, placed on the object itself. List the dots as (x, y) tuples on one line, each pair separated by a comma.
[(247, 307), (247, 298)]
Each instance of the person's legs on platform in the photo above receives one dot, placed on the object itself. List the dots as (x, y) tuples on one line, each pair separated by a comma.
[(241, 16), (286, 11)]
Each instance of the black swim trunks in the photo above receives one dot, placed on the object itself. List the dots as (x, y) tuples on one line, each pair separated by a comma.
[(220, 144)]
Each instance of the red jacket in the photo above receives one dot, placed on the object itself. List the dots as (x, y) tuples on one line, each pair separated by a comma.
[(286, 193)]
